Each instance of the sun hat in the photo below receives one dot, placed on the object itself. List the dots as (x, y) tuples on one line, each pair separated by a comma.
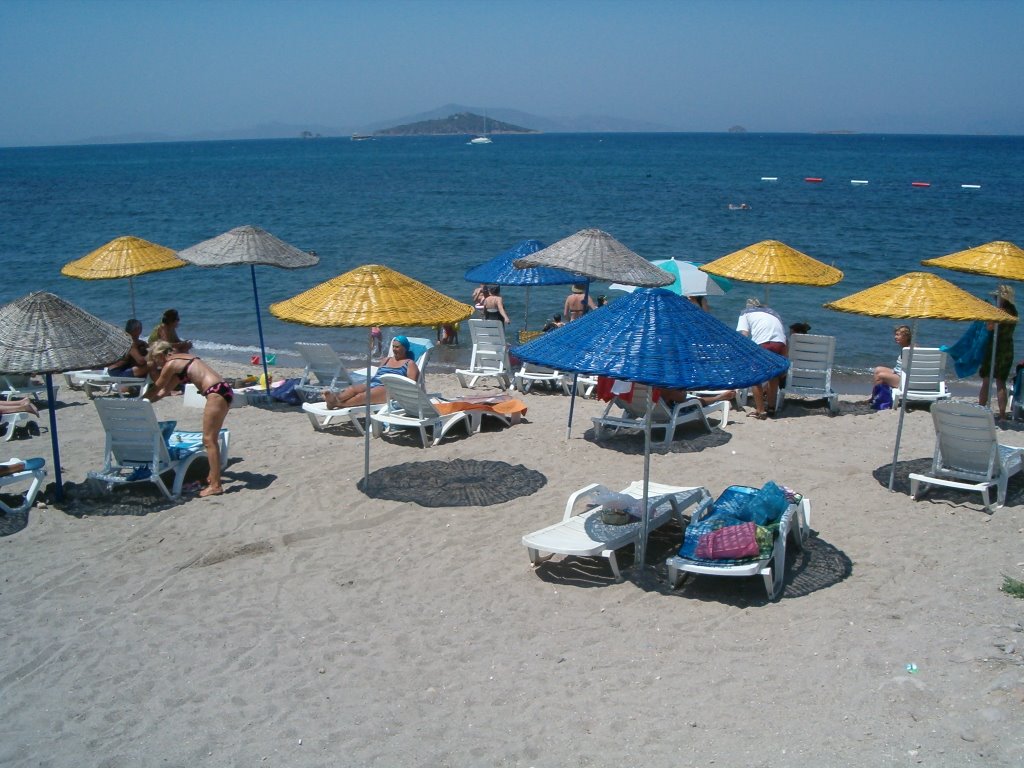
[(1004, 292), (578, 288)]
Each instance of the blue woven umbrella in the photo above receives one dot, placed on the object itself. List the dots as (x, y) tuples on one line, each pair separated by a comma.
[(501, 271), (657, 338)]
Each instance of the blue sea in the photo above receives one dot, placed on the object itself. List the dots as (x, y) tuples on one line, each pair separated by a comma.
[(432, 207)]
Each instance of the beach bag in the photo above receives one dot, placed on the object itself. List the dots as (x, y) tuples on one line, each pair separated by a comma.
[(881, 397), (767, 505), (732, 542), (284, 392)]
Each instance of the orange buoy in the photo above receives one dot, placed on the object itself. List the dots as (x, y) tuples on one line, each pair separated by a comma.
[(920, 184), (814, 179)]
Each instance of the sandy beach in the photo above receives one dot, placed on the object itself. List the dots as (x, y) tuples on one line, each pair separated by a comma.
[(295, 621)]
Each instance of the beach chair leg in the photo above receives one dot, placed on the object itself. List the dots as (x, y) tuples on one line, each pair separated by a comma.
[(674, 579), (613, 561)]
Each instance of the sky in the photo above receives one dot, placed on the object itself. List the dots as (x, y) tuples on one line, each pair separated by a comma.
[(73, 69)]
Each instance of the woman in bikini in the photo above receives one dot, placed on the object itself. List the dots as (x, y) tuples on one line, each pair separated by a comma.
[(494, 306), (399, 362), (177, 368), (574, 307)]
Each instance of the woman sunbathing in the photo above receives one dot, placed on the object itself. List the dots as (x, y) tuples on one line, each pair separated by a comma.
[(399, 362)]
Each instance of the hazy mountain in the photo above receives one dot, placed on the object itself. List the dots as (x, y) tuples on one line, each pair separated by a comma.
[(458, 124), (579, 124), (517, 121)]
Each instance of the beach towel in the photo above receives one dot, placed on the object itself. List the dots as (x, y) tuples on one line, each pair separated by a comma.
[(969, 351), (500, 404)]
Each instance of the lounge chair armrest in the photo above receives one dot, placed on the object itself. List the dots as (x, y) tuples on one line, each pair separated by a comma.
[(587, 492)]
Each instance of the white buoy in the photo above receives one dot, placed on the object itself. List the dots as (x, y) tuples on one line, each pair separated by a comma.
[(769, 178), (970, 186), (858, 181)]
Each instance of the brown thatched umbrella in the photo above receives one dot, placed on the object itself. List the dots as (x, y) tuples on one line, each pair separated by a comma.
[(596, 255), (42, 333), (250, 245), (123, 257), (362, 298)]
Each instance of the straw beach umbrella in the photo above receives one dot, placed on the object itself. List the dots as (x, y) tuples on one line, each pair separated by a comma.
[(501, 270), (43, 333), (596, 255), (917, 296), (123, 257), (658, 338), (1000, 259), (368, 296), (773, 263), (252, 246)]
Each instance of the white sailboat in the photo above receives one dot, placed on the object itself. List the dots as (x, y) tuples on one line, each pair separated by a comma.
[(481, 139)]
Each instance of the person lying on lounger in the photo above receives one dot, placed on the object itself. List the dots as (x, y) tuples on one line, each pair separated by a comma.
[(18, 406), (399, 362)]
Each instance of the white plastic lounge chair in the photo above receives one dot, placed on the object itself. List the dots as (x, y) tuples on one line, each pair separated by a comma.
[(410, 407), (968, 455), (322, 417), (11, 422), (795, 522), (583, 533), (927, 376), (489, 356), (530, 375), (633, 412), (136, 449), (33, 473), (585, 385), (324, 368), (810, 368), (14, 386)]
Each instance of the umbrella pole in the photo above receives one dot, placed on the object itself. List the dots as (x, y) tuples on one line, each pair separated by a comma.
[(526, 310), (572, 395), (131, 289), (366, 432), (259, 329), (903, 408), (51, 401), (641, 547)]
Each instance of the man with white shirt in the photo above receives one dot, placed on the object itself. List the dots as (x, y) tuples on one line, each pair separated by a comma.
[(764, 327)]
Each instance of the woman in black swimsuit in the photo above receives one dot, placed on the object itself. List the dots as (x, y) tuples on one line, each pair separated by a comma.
[(178, 368), (494, 307)]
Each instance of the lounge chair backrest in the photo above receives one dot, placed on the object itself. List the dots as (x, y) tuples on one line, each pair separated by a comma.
[(132, 431), (324, 367), (489, 349), (927, 371), (637, 405), (407, 394), (965, 440), (810, 361)]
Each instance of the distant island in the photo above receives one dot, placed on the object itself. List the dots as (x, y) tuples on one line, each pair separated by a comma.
[(459, 124)]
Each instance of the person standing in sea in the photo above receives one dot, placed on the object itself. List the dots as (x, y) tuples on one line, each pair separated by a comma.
[(1004, 353), (574, 307)]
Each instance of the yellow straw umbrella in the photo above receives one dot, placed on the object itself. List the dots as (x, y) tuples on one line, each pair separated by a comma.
[(773, 263), (1000, 259), (123, 257), (917, 296), (370, 296)]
